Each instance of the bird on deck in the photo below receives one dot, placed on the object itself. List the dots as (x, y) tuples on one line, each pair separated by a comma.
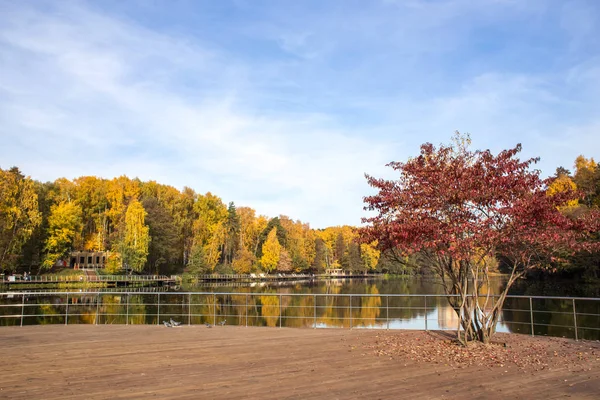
[(208, 325), (222, 323), (168, 325), (174, 323)]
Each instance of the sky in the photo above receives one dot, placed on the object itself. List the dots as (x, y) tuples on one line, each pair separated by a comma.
[(283, 106)]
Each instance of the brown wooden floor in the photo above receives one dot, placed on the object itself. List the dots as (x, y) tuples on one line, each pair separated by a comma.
[(108, 362)]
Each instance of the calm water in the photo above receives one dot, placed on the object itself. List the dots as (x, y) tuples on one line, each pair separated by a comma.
[(313, 304)]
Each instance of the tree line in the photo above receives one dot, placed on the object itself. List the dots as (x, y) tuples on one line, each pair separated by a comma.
[(155, 228)]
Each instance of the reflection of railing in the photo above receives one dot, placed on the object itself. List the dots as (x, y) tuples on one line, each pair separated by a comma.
[(277, 277), (535, 315), (91, 278)]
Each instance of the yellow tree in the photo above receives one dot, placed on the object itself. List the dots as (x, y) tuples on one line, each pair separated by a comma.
[(369, 255), (90, 194), (584, 177), (119, 193), (271, 251), (134, 248), (244, 261), (561, 184), (64, 227), (300, 243), (19, 215), (209, 229)]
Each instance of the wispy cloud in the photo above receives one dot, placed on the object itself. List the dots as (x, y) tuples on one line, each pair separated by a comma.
[(284, 108)]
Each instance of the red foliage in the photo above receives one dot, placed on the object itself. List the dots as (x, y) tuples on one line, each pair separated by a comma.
[(460, 203)]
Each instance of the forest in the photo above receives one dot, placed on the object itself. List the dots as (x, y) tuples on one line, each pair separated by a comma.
[(148, 227)]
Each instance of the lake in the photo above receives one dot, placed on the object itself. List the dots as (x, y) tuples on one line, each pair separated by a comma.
[(337, 303)]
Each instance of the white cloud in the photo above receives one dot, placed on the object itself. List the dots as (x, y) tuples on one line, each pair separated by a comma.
[(84, 104), (86, 93)]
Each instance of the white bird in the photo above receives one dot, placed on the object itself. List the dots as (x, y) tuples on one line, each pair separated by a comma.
[(174, 323), (168, 325)]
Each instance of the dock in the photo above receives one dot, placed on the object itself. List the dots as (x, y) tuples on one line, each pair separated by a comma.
[(196, 362)]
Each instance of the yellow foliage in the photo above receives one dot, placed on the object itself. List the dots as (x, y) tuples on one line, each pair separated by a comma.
[(560, 185), (583, 164), (369, 255), (271, 252)]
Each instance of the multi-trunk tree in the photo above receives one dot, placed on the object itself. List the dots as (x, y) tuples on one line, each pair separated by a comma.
[(457, 209)]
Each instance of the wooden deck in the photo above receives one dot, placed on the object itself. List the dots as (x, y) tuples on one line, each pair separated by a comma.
[(107, 362)]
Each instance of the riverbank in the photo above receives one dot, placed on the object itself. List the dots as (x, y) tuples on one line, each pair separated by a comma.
[(142, 361)]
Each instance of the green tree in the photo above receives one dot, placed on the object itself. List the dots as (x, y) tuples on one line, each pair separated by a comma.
[(197, 263), (232, 234), (19, 215), (163, 233), (134, 247), (64, 225)]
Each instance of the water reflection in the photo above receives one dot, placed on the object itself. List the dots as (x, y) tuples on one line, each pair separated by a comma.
[(333, 304)]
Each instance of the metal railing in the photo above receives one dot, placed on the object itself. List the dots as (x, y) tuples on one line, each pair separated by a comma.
[(574, 317)]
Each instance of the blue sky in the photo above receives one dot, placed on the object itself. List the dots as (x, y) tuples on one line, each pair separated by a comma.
[(284, 105)]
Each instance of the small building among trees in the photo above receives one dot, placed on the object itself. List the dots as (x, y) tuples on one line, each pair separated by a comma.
[(88, 259)]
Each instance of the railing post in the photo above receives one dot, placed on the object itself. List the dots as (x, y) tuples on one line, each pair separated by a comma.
[(127, 308), (246, 310), (314, 311), (531, 316), (426, 313), (67, 311), (575, 320), (387, 311), (189, 309), (97, 308), (280, 315), (158, 311), (22, 308), (350, 311), (214, 309)]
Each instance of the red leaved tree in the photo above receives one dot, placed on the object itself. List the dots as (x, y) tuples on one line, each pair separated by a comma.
[(458, 209)]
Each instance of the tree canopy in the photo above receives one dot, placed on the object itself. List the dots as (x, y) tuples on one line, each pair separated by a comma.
[(458, 208)]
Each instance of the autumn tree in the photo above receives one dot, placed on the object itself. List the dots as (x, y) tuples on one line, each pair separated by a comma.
[(244, 261), (209, 228), (458, 208), (369, 255), (281, 234), (285, 262), (19, 215), (586, 178), (64, 226), (271, 252), (136, 240)]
